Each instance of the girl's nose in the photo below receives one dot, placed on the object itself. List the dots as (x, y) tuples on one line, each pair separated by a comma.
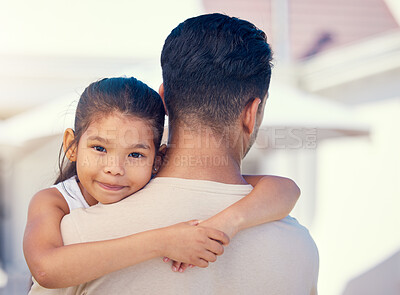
[(114, 166)]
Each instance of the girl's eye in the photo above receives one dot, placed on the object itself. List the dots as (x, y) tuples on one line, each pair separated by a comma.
[(99, 149), (135, 155)]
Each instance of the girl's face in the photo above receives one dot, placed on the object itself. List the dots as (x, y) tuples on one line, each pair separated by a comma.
[(114, 158)]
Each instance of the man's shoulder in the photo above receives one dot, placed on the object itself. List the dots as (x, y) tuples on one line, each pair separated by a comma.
[(286, 235), (289, 227), (74, 214), (297, 238), (286, 224), (292, 223), (69, 228), (105, 221), (118, 208)]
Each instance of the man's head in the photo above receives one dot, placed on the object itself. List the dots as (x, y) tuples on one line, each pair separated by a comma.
[(213, 66)]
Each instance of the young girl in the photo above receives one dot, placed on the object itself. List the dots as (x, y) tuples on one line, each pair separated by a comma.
[(112, 153)]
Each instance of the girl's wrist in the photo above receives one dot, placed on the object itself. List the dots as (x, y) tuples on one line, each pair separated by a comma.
[(236, 223), (227, 223), (158, 242)]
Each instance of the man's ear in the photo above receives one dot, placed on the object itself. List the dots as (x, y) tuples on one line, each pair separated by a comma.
[(159, 158), (161, 93), (250, 115), (68, 138)]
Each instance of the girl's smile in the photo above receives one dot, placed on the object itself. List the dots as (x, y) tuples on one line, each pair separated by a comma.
[(110, 187), (114, 158)]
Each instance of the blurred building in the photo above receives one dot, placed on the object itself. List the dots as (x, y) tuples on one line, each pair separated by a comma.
[(346, 53)]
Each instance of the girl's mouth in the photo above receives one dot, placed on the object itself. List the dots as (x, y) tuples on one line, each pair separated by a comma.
[(110, 187)]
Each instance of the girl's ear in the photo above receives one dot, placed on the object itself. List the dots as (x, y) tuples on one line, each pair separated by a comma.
[(68, 139), (159, 158)]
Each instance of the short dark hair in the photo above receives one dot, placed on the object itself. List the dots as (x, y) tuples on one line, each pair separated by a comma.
[(127, 96), (212, 66)]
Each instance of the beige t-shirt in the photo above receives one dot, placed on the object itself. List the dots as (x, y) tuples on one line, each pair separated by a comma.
[(274, 258)]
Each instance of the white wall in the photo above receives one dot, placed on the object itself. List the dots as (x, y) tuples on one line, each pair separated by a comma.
[(26, 170), (357, 224)]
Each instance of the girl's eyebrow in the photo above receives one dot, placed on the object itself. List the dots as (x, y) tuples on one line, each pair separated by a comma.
[(140, 146), (98, 138)]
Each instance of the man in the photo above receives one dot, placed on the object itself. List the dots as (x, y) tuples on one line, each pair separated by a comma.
[(216, 72)]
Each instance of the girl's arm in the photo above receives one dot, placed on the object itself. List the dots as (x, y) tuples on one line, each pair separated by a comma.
[(272, 198), (56, 266)]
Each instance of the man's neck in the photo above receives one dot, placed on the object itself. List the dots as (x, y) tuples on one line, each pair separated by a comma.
[(203, 156)]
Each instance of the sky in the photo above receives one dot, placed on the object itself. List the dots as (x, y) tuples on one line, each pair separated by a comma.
[(394, 6), (90, 27), (52, 48), (95, 28)]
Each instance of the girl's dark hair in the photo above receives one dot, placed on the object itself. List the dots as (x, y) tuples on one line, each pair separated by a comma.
[(127, 96)]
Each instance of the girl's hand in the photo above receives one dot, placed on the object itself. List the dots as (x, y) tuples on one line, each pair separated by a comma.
[(178, 266), (196, 245), (228, 227)]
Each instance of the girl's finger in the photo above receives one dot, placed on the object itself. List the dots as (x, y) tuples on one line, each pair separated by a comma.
[(166, 259)]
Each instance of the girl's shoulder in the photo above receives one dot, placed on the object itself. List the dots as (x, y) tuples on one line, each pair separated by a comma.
[(49, 198), (72, 193)]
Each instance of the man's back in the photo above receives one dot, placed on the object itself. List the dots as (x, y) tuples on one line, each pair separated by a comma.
[(275, 258)]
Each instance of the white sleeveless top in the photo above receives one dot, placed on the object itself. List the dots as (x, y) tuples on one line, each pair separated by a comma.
[(72, 193)]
